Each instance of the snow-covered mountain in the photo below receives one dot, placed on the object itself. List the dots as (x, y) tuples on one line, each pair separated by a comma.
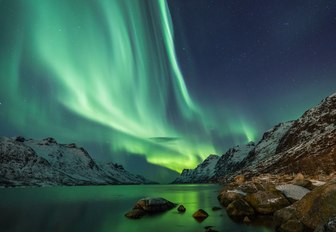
[(26, 162), (309, 145), (201, 174), (232, 160), (306, 145)]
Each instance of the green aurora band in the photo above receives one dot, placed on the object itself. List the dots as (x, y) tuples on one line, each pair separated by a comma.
[(105, 71)]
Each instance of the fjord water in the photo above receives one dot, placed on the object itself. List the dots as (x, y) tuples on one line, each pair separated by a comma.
[(102, 208)]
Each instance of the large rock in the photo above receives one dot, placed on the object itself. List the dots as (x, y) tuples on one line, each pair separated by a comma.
[(265, 202), (149, 206), (228, 196), (282, 216), (292, 225), (136, 213), (200, 215), (313, 210), (239, 209), (317, 206), (293, 192)]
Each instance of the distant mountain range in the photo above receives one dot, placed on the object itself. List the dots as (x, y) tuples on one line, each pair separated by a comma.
[(28, 162), (306, 145)]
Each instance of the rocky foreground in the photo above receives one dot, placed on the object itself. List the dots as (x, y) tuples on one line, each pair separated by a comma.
[(296, 203)]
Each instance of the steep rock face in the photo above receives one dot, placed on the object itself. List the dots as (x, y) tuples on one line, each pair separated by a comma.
[(309, 146), (306, 145), (32, 162), (232, 160), (263, 154), (201, 174)]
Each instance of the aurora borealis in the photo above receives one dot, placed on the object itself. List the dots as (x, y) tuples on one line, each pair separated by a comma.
[(159, 80)]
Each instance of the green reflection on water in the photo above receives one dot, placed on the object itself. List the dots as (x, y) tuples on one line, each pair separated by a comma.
[(102, 208)]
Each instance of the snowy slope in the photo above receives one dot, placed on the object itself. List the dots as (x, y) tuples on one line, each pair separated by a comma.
[(232, 159), (215, 166), (201, 174), (309, 146), (45, 162), (265, 149), (306, 145)]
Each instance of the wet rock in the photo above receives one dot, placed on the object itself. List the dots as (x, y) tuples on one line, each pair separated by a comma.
[(283, 215), (291, 226), (239, 209), (200, 215), (267, 202), (181, 209), (149, 206), (135, 213), (225, 198)]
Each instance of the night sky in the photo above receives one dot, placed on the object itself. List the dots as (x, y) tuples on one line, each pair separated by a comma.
[(158, 86)]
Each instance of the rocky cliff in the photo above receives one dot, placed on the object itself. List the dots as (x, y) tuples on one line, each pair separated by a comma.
[(306, 145)]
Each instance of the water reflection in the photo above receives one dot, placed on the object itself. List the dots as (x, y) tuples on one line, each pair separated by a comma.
[(102, 208)]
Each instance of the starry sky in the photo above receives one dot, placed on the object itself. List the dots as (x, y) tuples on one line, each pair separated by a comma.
[(159, 85)]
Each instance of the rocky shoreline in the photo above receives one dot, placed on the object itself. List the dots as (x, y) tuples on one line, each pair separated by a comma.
[(296, 203), (287, 203)]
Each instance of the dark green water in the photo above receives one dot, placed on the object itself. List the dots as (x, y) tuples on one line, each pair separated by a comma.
[(102, 208)]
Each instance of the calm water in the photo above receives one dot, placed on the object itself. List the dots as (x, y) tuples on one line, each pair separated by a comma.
[(102, 208)]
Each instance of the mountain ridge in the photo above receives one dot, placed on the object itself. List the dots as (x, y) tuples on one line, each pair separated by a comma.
[(307, 145), (29, 162)]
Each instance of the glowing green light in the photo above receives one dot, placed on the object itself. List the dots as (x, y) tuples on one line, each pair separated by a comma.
[(106, 71)]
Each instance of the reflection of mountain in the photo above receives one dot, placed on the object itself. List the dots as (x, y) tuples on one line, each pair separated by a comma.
[(306, 145), (32, 162)]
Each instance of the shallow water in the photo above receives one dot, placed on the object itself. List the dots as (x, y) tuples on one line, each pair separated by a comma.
[(102, 208)]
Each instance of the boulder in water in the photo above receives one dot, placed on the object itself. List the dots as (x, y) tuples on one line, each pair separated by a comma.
[(200, 215), (149, 205)]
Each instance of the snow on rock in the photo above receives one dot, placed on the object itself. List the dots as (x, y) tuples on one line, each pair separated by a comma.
[(317, 182), (25, 162), (233, 159), (290, 147), (237, 191), (201, 174), (293, 191)]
